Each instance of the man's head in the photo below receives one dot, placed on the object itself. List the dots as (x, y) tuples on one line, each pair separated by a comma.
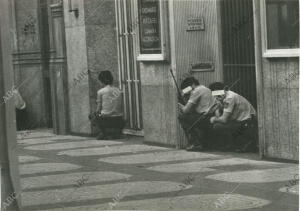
[(216, 86), (105, 77), (218, 90), (190, 81)]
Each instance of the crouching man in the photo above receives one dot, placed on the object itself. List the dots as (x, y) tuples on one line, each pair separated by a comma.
[(238, 119), (109, 113), (193, 116)]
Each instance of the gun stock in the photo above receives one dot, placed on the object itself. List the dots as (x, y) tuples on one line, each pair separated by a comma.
[(179, 95)]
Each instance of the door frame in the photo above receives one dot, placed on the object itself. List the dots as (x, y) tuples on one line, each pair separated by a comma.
[(126, 62), (58, 70)]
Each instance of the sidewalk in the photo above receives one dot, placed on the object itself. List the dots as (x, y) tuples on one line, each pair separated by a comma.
[(78, 173)]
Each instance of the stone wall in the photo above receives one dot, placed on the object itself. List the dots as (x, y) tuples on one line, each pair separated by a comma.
[(79, 103), (100, 25), (159, 104), (30, 76)]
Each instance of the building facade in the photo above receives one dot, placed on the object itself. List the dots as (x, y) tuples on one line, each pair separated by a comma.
[(61, 46)]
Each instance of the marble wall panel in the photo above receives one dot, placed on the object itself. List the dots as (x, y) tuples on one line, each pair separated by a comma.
[(78, 94), (27, 24), (102, 55), (159, 104), (281, 97), (79, 106), (101, 43)]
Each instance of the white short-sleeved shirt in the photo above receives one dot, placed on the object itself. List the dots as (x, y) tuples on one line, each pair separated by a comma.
[(238, 106), (202, 98), (110, 99)]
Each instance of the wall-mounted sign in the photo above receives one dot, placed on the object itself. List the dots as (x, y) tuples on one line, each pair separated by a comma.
[(195, 24), (202, 66), (149, 28)]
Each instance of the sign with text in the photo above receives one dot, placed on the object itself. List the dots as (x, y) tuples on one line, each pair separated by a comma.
[(150, 34), (195, 24)]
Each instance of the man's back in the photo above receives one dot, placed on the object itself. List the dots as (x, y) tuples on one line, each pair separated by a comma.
[(202, 98), (111, 101), (238, 106)]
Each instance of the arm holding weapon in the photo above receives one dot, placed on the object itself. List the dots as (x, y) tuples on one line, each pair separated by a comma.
[(216, 111), (180, 96), (183, 97), (223, 117)]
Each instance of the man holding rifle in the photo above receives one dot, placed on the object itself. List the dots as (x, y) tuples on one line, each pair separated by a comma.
[(193, 116)]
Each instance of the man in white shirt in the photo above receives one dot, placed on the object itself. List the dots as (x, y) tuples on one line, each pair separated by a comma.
[(195, 111), (238, 113), (109, 107)]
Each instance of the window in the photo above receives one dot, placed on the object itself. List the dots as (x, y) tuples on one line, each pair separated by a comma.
[(152, 41), (281, 28)]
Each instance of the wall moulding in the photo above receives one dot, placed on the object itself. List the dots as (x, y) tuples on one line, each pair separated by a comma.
[(26, 52), (36, 58), (31, 54), (38, 61)]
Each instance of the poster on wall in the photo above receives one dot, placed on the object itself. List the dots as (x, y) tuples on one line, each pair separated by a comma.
[(150, 34)]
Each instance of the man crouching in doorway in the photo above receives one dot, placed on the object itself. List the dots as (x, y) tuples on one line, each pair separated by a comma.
[(109, 113), (193, 116), (237, 124)]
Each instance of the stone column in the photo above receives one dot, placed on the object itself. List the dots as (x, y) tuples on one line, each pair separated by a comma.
[(78, 80), (58, 71)]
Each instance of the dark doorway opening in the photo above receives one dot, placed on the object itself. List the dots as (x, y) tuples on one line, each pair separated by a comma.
[(238, 47)]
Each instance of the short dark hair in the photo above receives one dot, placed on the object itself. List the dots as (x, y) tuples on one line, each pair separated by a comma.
[(189, 81), (106, 77), (216, 86)]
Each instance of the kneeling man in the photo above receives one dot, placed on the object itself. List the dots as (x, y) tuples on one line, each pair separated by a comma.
[(193, 116), (237, 115), (109, 113)]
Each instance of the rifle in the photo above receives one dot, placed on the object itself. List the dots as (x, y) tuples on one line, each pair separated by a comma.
[(179, 95), (214, 107)]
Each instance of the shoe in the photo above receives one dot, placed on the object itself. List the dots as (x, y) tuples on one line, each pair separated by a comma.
[(190, 147), (195, 148), (199, 148), (245, 148), (239, 150), (101, 136)]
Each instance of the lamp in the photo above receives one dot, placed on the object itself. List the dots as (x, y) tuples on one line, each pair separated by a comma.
[(75, 10)]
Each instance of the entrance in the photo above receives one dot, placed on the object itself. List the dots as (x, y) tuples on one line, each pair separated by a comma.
[(129, 70), (58, 70), (238, 47)]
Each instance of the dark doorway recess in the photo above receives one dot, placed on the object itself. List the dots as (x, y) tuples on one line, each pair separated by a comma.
[(238, 47)]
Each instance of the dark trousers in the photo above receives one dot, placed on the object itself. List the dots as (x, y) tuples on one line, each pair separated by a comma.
[(234, 134), (114, 124), (21, 119), (198, 133)]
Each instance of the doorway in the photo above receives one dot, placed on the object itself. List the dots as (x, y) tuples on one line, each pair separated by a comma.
[(238, 47), (129, 71), (58, 70)]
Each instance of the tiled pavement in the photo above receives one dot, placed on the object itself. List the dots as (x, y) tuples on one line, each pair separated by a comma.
[(76, 173)]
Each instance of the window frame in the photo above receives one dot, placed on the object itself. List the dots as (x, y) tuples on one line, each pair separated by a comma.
[(273, 53), (163, 10)]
